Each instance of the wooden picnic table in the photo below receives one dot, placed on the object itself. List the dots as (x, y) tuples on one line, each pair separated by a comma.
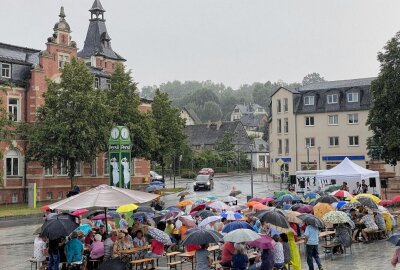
[(214, 249), (134, 250), (189, 255)]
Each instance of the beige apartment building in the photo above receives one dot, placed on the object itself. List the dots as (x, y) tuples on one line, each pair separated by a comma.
[(316, 126)]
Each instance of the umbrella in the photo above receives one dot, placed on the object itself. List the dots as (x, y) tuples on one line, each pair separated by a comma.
[(320, 209), (350, 205), (127, 208), (305, 209), (311, 195), (372, 197), (103, 196), (230, 215), (252, 203), (312, 220), (236, 208), (386, 202), (395, 239), (142, 215), (212, 197), (208, 220), (114, 264), (159, 235), (183, 193), (85, 228), (114, 214), (173, 208), (229, 199), (234, 193), (79, 212), (44, 208), (278, 194), (172, 215), (101, 216), (184, 203), (152, 188), (274, 217), (187, 221), (200, 236), (259, 207), (342, 194), (59, 225), (336, 217), (332, 188), (198, 207), (264, 242), (205, 214), (236, 225), (292, 216), (326, 199), (394, 199), (241, 235), (340, 204), (368, 202), (218, 205), (256, 200), (145, 209), (288, 198)]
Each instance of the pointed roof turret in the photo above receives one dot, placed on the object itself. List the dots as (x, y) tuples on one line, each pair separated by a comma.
[(97, 6), (62, 24), (62, 13)]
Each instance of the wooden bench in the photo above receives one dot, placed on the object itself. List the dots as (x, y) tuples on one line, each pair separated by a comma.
[(33, 263), (174, 265), (94, 263), (329, 248), (142, 261), (172, 255), (374, 235)]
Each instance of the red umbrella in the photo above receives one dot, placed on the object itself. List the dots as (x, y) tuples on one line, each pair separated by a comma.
[(198, 208), (44, 208), (396, 199), (101, 216), (265, 242), (80, 212), (385, 202), (255, 200)]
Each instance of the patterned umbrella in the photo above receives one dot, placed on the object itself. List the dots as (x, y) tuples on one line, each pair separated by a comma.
[(311, 195), (278, 194), (350, 205), (241, 235), (159, 235), (342, 194), (395, 239), (200, 236), (368, 202), (367, 195), (184, 203), (320, 209), (336, 217), (312, 220), (236, 225), (292, 216), (230, 215)]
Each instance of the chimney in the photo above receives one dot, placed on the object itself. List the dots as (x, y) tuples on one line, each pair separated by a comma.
[(219, 123)]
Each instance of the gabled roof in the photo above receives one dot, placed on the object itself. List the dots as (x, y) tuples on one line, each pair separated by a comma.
[(18, 54), (192, 115), (247, 108), (252, 120), (260, 145), (291, 90)]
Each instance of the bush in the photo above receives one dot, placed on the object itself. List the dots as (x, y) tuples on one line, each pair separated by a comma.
[(188, 175)]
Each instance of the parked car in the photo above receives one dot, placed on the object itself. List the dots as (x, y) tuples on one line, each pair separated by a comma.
[(156, 177), (203, 181), (207, 171)]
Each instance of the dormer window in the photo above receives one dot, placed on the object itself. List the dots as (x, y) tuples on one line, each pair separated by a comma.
[(332, 99), (309, 100), (352, 97), (5, 70)]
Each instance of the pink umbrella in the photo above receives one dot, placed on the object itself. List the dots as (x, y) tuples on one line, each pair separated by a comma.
[(305, 209), (385, 202), (265, 242), (101, 216), (79, 212), (198, 208), (188, 221)]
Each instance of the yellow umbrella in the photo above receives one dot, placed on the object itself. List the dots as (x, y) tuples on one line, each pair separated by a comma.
[(372, 197), (127, 208), (320, 209), (184, 203)]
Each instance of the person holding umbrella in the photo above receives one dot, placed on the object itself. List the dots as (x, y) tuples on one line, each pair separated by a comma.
[(311, 238), (74, 248), (203, 259)]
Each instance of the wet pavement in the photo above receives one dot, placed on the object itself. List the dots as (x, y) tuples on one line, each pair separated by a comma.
[(16, 242)]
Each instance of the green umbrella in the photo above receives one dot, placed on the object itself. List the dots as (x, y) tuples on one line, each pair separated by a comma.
[(332, 188), (278, 194)]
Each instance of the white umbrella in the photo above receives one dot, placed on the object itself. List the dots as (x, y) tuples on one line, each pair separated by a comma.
[(103, 196), (205, 221), (229, 199), (218, 205), (241, 235)]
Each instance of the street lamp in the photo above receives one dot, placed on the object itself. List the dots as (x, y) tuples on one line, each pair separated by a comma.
[(308, 156), (251, 171), (319, 157)]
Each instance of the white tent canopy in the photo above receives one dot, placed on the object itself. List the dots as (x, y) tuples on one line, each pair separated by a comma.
[(347, 170)]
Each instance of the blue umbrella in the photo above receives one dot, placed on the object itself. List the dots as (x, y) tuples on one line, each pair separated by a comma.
[(236, 225), (340, 204), (311, 195), (113, 214), (173, 208), (286, 206), (287, 198), (395, 239), (85, 228), (234, 217)]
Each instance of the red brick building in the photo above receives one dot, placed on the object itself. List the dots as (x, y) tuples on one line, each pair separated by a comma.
[(22, 75)]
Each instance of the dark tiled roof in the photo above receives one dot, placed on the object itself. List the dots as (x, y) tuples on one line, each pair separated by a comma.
[(252, 120), (247, 108), (337, 84), (206, 134), (193, 115), (260, 145), (18, 54), (97, 6), (99, 72)]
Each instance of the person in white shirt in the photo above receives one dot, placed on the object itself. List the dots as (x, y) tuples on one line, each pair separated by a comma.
[(279, 256), (123, 224), (39, 250)]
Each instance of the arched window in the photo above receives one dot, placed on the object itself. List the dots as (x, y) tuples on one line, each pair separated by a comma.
[(12, 163)]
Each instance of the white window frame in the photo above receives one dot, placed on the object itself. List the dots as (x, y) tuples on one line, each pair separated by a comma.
[(13, 158), (96, 82), (285, 125), (14, 109), (309, 100), (62, 59), (308, 118), (6, 70), (334, 141), (351, 119), (93, 168), (332, 98), (333, 117), (58, 195), (352, 97), (62, 167), (353, 139), (78, 169), (48, 171), (14, 198), (310, 142)]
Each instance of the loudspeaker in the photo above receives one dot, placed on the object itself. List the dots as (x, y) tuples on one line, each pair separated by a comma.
[(293, 179), (372, 182), (333, 181), (302, 184), (384, 183)]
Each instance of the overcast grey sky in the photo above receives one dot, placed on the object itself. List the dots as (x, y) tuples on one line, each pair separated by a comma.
[(228, 41)]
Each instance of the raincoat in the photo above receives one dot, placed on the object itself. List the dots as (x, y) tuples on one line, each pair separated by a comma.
[(294, 252), (388, 221)]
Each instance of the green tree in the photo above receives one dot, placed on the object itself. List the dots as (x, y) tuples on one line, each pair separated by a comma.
[(225, 147), (124, 100), (73, 124), (384, 114), (169, 128), (312, 78)]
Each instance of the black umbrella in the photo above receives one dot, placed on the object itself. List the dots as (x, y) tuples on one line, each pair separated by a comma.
[(200, 236), (274, 217), (205, 214), (57, 226), (395, 239), (365, 201), (145, 209), (325, 199), (114, 264), (312, 220)]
